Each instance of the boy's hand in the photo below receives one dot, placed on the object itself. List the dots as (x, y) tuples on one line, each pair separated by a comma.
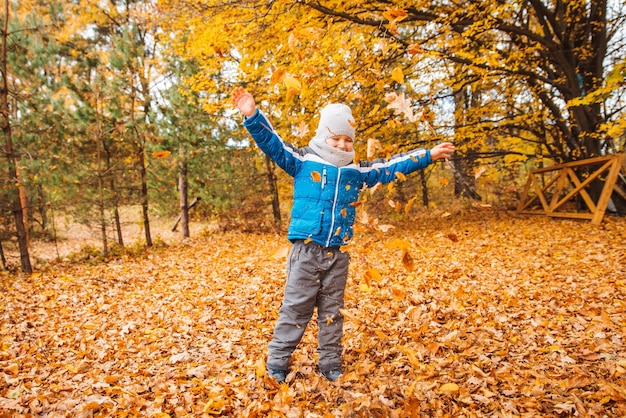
[(244, 101), (443, 150)]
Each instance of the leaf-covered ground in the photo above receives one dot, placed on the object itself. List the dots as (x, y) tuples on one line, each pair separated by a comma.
[(461, 316)]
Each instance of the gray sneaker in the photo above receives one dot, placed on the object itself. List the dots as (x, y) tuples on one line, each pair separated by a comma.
[(332, 375), (278, 375)]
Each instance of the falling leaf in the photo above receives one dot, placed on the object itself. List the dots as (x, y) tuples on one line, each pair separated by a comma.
[(385, 228), (291, 83), (452, 237), (277, 77), (317, 177), (373, 274), (395, 15), (400, 176), (397, 75), (409, 204), (400, 105), (161, 154), (407, 261), (414, 49), (372, 146), (364, 287), (303, 129), (344, 212), (479, 172)]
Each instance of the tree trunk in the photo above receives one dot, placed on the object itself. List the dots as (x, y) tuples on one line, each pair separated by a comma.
[(183, 190), (101, 197), (116, 211), (271, 179), (42, 208), (144, 195), (2, 257), (5, 124), (23, 201), (464, 180)]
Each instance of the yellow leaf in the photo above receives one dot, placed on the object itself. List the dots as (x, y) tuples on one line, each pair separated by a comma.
[(292, 83), (260, 368), (449, 388), (443, 181), (363, 287), (397, 75), (400, 176)]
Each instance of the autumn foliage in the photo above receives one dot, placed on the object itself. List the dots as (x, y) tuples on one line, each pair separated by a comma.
[(454, 315)]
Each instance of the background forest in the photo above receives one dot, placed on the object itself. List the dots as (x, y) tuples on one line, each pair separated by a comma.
[(111, 104)]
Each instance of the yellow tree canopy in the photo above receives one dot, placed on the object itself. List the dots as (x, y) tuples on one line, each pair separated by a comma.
[(510, 67)]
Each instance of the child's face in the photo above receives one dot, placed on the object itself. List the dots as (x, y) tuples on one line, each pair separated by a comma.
[(342, 142)]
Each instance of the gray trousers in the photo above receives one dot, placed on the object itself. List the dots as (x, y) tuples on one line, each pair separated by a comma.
[(316, 277)]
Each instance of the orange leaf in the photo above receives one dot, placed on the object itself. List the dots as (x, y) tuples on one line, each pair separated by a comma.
[(409, 204), (398, 243), (395, 15), (407, 261), (161, 154), (373, 274), (415, 49), (277, 76), (400, 176), (317, 177)]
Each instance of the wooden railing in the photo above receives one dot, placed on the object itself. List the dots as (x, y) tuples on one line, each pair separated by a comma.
[(548, 190)]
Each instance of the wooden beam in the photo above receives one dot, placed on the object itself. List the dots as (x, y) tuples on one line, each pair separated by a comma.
[(564, 172)]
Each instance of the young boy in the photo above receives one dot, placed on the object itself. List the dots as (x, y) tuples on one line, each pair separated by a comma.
[(326, 186)]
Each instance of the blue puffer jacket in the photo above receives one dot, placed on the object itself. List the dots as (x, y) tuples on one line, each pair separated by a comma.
[(324, 195)]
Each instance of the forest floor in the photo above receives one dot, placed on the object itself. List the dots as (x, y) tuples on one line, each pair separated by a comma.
[(462, 315)]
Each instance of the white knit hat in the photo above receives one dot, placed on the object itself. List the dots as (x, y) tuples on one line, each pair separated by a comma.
[(335, 119)]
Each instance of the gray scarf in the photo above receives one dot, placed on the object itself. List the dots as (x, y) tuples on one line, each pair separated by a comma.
[(333, 155)]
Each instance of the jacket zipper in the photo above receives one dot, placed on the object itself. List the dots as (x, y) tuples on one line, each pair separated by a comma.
[(332, 223)]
